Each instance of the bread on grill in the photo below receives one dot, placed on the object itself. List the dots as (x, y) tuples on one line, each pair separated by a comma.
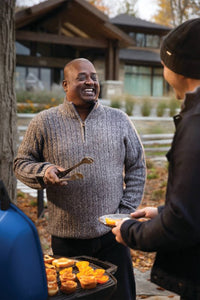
[(68, 286), (52, 289)]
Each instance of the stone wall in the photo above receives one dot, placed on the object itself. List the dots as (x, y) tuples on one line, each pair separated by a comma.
[(111, 88)]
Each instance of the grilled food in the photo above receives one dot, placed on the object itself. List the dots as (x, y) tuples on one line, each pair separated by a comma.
[(88, 282), (67, 276), (63, 268), (68, 286), (111, 222), (52, 289), (48, 259), (63, 262)]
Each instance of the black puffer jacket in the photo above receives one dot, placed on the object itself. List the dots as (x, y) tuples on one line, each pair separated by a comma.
[(175, 233)]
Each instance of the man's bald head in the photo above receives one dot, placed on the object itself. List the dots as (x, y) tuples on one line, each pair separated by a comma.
[(73, 64)]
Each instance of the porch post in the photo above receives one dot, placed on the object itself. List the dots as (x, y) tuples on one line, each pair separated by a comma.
[(109, 61)]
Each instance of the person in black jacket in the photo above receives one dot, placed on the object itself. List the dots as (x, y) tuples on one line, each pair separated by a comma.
[(173, 230)]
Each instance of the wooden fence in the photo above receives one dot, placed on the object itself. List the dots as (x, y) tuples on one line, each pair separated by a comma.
[(156, 142)]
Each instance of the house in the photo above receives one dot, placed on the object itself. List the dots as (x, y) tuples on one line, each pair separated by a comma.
[(141, 69), (52, 33)]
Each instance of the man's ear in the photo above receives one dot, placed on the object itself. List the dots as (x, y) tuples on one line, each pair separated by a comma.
[(65, 85)]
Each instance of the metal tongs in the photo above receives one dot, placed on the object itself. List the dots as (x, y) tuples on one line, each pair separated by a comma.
[(85, 160), (73, 177)]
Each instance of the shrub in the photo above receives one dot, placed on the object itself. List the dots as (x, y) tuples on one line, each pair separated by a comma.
[(160, 109), (146, 108), (35, 101), (30, 107), (44, 97), (115, 102), (129, 105), (149, 164), (173, 105)]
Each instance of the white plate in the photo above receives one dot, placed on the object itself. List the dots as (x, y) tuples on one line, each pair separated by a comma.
[(102, 219)]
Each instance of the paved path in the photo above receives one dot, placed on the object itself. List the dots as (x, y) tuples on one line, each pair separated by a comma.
[(148, 290)]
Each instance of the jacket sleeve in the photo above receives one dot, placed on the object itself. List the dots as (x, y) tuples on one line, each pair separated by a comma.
[(29, 165), (134, 171), (178, 223)]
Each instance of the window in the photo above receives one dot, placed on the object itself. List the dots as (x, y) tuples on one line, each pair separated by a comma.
[(61, 76), (143, 81), (34, 71), (137, 80), (20, 75), (21, 49), (32, 78), (145, 40), (152, 41), (45, 76), (140, 39)]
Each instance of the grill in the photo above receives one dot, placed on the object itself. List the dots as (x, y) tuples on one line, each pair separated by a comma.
[(21, 254), (102, 291)]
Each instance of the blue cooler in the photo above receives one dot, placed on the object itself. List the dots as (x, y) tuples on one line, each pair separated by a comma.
[(22, 271)]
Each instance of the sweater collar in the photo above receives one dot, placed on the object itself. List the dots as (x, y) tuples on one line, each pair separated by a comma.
[(69, 108)]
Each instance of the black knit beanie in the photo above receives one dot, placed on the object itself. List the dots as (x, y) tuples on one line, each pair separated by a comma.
[(180, 49)]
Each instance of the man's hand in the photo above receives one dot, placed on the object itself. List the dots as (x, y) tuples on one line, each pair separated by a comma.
[(147, 212), (116, 231), (51, 178)]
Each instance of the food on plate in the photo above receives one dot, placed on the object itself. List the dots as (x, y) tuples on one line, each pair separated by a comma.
[(63, 262), (51, 279), (89, 271), (111, 222), (52, 289), (112, 219), (50, 271), (48, 259), (88, 282), (100, 276), (82, 264), (67, 276), (86, 272), (102, 279), (66, 270), (68, 287), (99, 272), (49, 266)]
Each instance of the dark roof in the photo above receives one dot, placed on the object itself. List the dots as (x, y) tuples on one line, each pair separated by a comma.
[(131, 21), (79, 13), (141, 56)]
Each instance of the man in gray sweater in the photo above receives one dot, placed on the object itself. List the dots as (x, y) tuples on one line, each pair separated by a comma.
[(60, 137)]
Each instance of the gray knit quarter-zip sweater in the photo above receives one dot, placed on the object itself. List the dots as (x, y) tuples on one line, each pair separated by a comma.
[(58, 136)]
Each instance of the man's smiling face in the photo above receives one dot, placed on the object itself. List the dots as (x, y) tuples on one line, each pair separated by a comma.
[(81, 83)]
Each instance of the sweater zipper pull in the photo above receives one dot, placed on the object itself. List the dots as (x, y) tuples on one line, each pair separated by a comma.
[(83, 130)]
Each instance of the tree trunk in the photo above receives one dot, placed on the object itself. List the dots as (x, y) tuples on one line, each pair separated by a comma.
[(8, 128)]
